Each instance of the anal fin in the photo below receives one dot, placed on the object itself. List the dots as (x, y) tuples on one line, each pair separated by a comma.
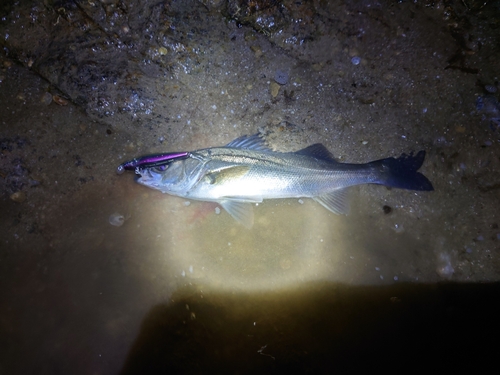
[(336, 201)]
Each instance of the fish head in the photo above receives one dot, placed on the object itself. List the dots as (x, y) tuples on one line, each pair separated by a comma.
[(176, 177)]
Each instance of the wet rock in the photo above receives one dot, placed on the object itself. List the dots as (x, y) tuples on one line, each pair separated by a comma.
[(264, 15), (214, 4), (87, 51)]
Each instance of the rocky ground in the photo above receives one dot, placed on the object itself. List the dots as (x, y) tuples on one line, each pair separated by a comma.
[(86, 85)]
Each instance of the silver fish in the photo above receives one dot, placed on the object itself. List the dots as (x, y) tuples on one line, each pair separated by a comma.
[(247, 171)]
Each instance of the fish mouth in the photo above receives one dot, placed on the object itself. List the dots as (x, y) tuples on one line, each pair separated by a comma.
[(142, 174), (146, 177)]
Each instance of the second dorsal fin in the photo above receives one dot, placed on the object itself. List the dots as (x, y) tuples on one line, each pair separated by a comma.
[(317, 151)]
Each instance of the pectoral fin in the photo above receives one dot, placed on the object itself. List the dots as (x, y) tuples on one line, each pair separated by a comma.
[(241, 211), (226, 174), (337, 201)]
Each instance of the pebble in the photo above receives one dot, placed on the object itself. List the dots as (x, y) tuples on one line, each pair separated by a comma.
[(285, 264), (257, 50), (281, 77), (18, 197), (491, 88), (488, 104), (59, 100), (445, 268), (479, 103), (46, 98), (217, 210), (301, 201), (116, 219), (318, 66), (356, 60), (398, 228), (274, 88)]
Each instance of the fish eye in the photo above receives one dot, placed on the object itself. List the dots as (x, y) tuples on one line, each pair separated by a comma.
[(160, 168)]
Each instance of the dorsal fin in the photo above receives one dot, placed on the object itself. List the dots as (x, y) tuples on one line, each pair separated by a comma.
[(317, 151), (249, 142)]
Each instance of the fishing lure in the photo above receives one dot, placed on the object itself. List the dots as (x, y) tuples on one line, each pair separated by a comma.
[(151, 161)]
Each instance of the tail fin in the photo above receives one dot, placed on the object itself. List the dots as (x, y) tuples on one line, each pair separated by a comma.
[(402, 172)]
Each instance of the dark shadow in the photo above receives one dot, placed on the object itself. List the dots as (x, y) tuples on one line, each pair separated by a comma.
[(321, 328)]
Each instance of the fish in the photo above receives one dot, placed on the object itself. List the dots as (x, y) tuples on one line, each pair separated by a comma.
[(246, 171)]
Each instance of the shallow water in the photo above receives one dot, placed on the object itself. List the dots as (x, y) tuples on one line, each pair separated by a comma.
[(406, 279)]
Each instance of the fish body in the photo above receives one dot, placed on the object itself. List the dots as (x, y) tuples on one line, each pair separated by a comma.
[(246, 171)]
